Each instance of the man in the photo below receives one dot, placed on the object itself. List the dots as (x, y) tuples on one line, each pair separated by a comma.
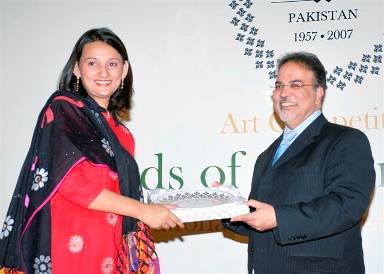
[(307, 204)]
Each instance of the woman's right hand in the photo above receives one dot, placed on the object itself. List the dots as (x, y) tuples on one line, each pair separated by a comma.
[(159, 216)]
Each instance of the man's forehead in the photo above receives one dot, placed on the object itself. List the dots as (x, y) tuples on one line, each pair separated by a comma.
[(295, 71)]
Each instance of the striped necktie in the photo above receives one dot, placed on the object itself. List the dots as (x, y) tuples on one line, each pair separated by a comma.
[(285, 143)]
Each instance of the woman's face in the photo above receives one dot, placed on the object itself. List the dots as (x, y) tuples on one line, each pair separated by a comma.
[(101, 69)]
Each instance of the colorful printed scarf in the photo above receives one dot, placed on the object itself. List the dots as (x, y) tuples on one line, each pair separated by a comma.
[(70, 129)]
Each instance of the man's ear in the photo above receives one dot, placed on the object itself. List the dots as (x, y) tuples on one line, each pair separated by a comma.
[(319, 95)]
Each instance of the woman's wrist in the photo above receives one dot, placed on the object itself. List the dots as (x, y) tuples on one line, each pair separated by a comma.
[(141, 210)]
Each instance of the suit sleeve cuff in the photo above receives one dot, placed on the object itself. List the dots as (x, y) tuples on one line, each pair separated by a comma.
[(288, 231)]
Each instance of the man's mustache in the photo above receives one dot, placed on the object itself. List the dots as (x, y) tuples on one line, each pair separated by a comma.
[(286, 100)]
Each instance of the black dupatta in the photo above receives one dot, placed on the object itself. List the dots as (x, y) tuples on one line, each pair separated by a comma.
[(70, 129)]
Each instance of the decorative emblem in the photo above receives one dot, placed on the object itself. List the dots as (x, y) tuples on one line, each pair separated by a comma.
[(249, 35)]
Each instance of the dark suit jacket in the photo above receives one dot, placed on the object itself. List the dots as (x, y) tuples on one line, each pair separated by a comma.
[(320, 188)]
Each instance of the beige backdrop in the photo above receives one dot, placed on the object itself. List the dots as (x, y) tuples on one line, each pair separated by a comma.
[(202, 76)]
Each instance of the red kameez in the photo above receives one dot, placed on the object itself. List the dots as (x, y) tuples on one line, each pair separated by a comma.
[(84, 240)]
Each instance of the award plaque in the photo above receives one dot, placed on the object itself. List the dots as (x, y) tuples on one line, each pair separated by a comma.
[(200, 204)]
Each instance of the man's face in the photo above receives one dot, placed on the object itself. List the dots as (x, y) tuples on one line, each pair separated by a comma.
[(297, 95)]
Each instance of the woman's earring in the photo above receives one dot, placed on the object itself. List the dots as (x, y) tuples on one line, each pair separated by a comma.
[(122, 84), (77, 84)]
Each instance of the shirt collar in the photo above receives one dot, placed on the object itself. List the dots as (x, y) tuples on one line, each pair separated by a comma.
[(300, 128)]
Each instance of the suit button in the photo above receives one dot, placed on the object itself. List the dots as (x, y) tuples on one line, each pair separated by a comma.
[(251, 250)]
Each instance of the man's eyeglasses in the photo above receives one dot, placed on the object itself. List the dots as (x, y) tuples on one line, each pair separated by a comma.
[(292, 85)]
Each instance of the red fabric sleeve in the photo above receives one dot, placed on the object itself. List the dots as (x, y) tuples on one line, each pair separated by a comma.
[(84, 182)]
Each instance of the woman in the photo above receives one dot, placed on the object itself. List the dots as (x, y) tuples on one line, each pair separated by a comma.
[(77, 206)]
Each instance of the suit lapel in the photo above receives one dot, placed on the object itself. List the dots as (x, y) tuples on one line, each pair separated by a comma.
[(270, 152), (305, 139), (261, 184)]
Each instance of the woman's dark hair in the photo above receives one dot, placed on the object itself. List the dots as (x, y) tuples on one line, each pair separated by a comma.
[(121, 99), (310, 61)]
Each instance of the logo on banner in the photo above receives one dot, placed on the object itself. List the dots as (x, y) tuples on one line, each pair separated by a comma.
[(250, 36)]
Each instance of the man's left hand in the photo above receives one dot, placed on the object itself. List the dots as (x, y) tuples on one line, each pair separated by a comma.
[(263, 218)]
